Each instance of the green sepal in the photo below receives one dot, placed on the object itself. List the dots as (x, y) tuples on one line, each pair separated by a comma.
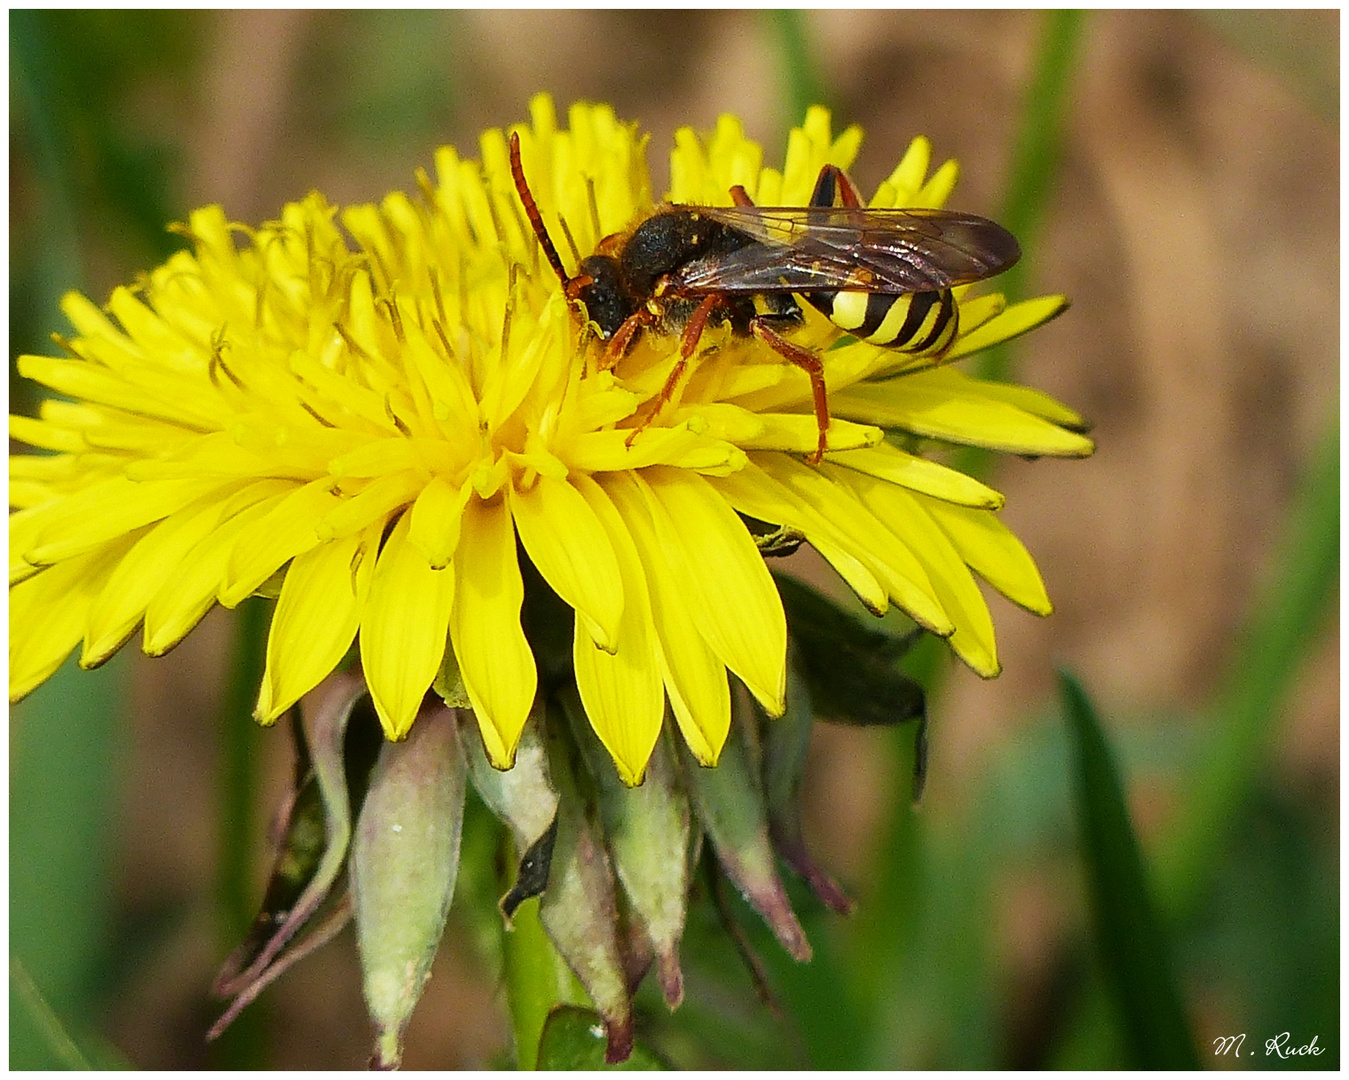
[(730, 805), (449, 682), (522, 796), (404, 860), (573, 1039), (786, 741), (579, 909), (643, 826), (317, 836), (850, 669), (777, 543), (301, 824)]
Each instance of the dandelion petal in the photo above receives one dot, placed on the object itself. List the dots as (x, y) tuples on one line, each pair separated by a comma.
[(736, 605), (403, 629), (572, 551), (494, 657)]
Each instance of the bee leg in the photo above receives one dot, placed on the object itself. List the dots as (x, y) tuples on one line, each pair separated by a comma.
[(740, 197), (688, 343), (618, 344), (808, 362), (697, 323), (835, 188)]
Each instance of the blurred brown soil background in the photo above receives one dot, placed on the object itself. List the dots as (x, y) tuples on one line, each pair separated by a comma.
[(1194, 222)]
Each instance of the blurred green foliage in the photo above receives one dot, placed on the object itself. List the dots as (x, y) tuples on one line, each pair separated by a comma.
[(1246, 886), (65, 749), (86, 175)]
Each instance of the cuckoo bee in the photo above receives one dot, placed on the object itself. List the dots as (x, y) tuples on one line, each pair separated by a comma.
[(884, 276)]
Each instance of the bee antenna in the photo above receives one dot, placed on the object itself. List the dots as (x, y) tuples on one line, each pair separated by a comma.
[(532, 212)]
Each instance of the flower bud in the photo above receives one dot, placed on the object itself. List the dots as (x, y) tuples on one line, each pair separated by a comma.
[(730, 805), (646, 831), (404, 860)]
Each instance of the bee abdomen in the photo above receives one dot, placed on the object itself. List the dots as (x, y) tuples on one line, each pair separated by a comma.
[(908, 322)]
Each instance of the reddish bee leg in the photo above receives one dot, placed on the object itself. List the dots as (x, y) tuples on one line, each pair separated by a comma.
[(618, 344), (808, 362), (740, 197), (835, 188), (688, 343), (693, 332)]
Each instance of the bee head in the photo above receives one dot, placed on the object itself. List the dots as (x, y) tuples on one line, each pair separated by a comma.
[(606, 299)]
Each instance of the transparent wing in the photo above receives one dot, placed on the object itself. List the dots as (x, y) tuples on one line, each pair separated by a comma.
[(818, 248)]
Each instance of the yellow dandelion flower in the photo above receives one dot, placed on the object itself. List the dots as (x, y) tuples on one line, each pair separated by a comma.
[(373, 412)]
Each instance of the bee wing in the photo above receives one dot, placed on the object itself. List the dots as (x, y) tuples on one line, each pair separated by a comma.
[(821, 248)]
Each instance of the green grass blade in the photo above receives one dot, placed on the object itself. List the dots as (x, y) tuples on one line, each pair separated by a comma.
[(802, 86), (39, 1038), (1036, 155), (238, 768), (1300, 593), (537, 980), (40, 273), (1035, 158), (1130, 937)]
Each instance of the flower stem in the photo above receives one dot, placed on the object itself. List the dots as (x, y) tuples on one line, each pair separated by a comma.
[(238, 771), (537, 979)]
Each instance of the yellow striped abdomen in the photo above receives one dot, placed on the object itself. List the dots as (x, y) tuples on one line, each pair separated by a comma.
[(907, 322)]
